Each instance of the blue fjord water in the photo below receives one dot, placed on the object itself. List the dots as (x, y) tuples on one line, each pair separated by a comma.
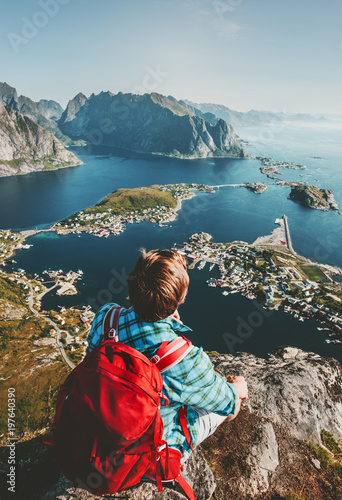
[(226, 324)]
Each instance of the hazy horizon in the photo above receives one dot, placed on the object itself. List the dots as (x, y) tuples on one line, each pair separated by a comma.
[(282, 56)]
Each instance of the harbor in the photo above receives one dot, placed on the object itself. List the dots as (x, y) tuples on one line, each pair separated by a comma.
[(271, 273)]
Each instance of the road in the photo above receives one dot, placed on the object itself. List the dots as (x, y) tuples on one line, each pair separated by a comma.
[(53, 324)]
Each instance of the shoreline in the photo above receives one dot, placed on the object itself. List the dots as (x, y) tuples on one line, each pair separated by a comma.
[(2, 176)]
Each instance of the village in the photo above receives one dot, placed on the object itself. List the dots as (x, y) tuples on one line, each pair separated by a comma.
[(67, 327), (103, 223), (276, 278)]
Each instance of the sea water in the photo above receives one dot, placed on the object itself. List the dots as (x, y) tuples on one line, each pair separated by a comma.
[(225, 324)]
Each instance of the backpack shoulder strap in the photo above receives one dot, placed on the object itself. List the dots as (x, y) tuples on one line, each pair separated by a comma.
[(110, 324), (171, 353)]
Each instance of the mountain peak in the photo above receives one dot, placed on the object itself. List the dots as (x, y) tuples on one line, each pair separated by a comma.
[(149, 123)]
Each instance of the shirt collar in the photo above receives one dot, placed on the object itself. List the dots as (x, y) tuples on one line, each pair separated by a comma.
[(175, 325)]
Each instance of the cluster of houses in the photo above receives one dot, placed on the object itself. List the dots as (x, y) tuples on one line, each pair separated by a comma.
[(7, 243), (254, 273), (105, 223)]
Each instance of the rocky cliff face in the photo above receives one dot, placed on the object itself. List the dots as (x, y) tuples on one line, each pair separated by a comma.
[(45, 112), (52, 109), (9, 96), (263, 453), (27, 147), (73, 108), (150, 123)]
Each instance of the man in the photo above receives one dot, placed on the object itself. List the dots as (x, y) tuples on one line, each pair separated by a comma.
[(157, 287)]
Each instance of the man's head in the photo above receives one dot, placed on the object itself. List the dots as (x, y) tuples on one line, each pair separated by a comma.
[(158, 284)]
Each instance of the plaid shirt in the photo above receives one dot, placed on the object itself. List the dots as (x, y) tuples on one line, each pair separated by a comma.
[(191, 382)]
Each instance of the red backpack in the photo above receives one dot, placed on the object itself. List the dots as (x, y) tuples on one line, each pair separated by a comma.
[(107, 429)]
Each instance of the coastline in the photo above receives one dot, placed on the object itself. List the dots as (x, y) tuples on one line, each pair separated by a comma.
[(44, 169)]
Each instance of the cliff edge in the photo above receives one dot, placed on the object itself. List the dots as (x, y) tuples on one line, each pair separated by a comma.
[(272, 450)]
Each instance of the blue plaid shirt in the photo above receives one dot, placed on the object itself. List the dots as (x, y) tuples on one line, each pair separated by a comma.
[(191, 382)]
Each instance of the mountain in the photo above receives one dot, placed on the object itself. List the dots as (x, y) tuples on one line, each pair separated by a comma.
[(9, 96), (73, 108), (149, 123), (26, 147), (52, 109), (252, 117), (45, 112)]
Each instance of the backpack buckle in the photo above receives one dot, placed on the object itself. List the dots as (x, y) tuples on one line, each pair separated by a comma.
[(155, 359), (111, 333)]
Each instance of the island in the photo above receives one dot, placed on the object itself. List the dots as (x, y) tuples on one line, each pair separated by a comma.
[(156, 203), (268, 161), (270, 167), (270, 172), (313, 197), (255, 187)]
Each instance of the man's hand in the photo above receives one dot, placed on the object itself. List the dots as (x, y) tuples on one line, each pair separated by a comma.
[(240, 384)]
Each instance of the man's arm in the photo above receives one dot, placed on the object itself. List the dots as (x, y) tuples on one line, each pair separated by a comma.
[(204, 388)]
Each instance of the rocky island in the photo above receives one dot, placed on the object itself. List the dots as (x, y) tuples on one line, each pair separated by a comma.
[(313, 197), (256, 187)]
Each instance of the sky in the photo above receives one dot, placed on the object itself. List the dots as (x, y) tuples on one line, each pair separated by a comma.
[(276, 55)]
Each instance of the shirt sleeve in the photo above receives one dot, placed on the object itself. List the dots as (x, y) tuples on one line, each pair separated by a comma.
[(95, 333), (204, 388)]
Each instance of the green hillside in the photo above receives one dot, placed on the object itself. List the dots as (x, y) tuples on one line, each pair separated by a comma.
[(126, 200)]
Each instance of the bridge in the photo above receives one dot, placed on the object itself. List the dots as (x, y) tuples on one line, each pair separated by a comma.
[(227, 185)]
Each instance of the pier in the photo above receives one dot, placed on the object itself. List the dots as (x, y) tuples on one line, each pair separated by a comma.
[(287, 234)]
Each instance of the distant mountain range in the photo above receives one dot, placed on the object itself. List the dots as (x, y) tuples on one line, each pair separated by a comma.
[(26, 147), (149, 123), (252, 117)]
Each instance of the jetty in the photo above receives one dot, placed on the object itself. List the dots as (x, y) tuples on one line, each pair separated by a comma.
[(287, 234)]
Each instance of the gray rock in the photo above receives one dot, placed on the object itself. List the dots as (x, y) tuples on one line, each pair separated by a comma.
[(262, 460), (297, 389), (45, 112), (196, 471), (27, 147)]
